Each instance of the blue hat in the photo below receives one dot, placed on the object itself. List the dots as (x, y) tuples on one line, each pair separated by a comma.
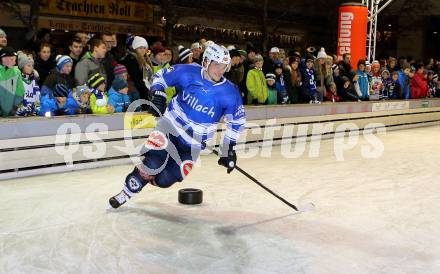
[(63, 60), (119, 83), (278, 64), (60, 90)]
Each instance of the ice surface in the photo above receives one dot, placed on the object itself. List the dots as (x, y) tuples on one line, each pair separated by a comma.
[(372, 216)]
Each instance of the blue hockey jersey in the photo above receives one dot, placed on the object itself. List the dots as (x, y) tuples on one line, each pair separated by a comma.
[(200, 104)]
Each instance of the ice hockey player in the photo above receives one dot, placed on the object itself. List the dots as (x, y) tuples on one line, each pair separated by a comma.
[(189, 121)]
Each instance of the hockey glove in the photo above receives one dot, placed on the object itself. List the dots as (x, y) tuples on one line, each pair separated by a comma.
[(160, 103), (228, 158)]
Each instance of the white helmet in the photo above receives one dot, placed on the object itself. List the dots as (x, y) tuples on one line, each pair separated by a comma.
[(216, 53)]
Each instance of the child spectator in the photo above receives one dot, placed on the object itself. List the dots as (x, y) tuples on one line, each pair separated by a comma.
[(394, 89), (117, 95), (437, 85), (332, 94), (11, 83), (362, 85), (54, 104), (99, 99), (61, 76), (281, 84), (256, 83), (368, 71), (431, 84), (419, 84), (121, 72), (272, 98), (31, 100), (308, 83), (78, 101), (404, 80), (386, 82), (376, 81)]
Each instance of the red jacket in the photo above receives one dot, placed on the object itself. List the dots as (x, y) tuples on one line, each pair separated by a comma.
[(419, 86)]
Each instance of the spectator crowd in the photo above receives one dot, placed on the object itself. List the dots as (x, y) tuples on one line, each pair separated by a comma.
[(92, 76)]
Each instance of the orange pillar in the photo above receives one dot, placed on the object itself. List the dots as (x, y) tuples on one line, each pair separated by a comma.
[(352, 31)]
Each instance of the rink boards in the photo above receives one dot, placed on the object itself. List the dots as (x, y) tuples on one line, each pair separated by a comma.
[(33, 146)]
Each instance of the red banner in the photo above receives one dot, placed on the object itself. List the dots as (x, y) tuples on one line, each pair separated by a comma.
[(352, 31)]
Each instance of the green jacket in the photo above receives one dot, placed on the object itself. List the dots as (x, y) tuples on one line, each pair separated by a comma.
[(257, 87), (11, 90), (273, 96), (170, 91), (101, 107)]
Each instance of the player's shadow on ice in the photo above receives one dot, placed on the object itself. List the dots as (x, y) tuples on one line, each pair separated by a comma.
[(165, 216)]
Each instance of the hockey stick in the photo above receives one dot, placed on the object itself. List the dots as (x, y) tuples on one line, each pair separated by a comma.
[(302, 209)]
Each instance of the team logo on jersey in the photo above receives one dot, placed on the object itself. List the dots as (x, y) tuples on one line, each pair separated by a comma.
[(156, 141), (186, 167)]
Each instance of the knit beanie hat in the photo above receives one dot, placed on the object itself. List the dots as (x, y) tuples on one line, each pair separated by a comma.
[(60, 90), (82, 90), (23, 60), (184, 53), (7, 51), (119, 83), (62, 60), (119, 69), (95, 81), (322, 54), (139, 42), (270, 76)]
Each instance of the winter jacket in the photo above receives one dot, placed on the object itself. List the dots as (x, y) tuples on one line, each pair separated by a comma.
[(109, 63), (31, 98), (50, 105), (11, 90), (346, 70), (44, 68), (272, 98), (98, 102), (257, 87), (308, 84), (281, 88), (404, 83), (364, 85), (394, 90), (88, 66), (235, 74), (118, 100), (56, 78), (74, 106), (419, 86)]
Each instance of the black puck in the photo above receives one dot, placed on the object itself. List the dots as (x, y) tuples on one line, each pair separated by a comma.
[(190, 196)]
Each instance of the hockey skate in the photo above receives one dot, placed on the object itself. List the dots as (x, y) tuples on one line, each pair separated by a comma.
[(119, 199)]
